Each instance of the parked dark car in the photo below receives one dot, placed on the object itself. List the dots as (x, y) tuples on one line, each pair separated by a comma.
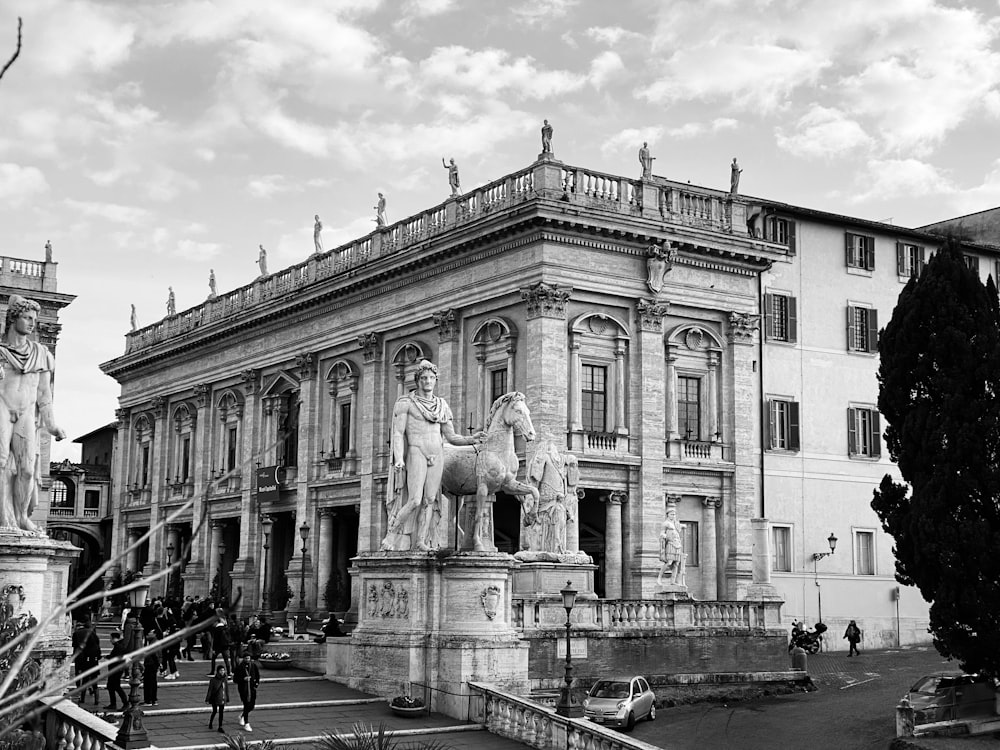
[(945, 696), (620, 702)]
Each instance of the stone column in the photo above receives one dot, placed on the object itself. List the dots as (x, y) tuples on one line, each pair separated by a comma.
[(213, 555), (173, 544), (646, 513), (309, 396), (482, 402), (575, 375), (372, 526), (132, 558), (761, 589), (158, 489), (546, 356), (672, 433), (448, 323), (202, 456), (352, 450), (713, 397), (613, 545), (118, 490), (621, 426), (324, 562), (709, 548)]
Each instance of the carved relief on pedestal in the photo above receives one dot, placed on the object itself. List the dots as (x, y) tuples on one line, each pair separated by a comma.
[(742, 327), (545, 300), (491, 598), (371, 345), (388, 600)]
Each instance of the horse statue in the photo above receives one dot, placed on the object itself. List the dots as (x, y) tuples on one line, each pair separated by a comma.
[(483, 470)]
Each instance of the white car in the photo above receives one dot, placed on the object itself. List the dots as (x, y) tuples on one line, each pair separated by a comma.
[(620, 702)]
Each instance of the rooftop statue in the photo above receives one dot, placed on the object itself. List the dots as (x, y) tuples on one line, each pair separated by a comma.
[(452, 175), (546, 137), (211, 283), (646, 161), (48, 251), (262, 261), (734, 177), (26, 369), (421, 423), (380, 211), (131, 318), (171, 302), (318, 236)]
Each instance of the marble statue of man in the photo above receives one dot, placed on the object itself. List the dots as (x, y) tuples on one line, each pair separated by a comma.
[(734, 177), (317, 236), (171, 302), (48, 251), (452, 175), (131, 318), (421, 422), (211, 283), (262, 261), (546, 137), (25, 404), (671, 549), (646, 161), (380, 211)]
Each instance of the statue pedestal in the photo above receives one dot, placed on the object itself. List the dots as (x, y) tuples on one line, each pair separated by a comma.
[(435, 621), (537, 585), (672, 592), (37, 569)]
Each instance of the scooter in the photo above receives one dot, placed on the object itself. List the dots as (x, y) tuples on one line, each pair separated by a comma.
[(808, 640)]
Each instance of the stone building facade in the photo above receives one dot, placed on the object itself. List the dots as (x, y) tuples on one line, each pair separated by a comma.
[(687, 345)]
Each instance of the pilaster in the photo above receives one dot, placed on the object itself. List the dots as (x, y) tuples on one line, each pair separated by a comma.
[(372, 526), (613, 544), (546, 356), (158, 480), (448, 323), (710, 549), (324, 556)]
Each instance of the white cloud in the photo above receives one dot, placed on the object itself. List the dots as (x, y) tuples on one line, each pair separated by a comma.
[(111, 211), (490, 72), (604, 67), (631, 138), (79, 38), (611, 35), (695, 129), (268, 185), (423, 8), (19, 184), (894, 178), (823, 133), (540, 12), (192, 250), (205, 154)]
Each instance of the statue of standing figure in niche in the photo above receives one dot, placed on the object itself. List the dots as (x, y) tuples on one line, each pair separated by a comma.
[(26, 369), (380, 211), (171, 302), (452, 175), (546, 137), (734, 177), (421, 423), (262, 261), (671, 549), (646, 161), (317, 236)]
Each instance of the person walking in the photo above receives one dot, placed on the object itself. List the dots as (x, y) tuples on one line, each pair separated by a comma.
[(86, 654), (218, 696), (118, 650), (247, 678), (150, 673), (220, 641), (853, 636)]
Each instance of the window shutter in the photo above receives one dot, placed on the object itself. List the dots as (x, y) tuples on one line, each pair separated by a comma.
[(900, 259), (873, 330), (876, 441), (793, 425), (793, 320), (852, 431), (850, 328), (870, 255), (769, 424), (768, 314), (920, 262), (791, 236), (848, 247)]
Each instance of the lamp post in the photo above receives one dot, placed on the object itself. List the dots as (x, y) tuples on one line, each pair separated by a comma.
[(170, 574), (302, 620), (266, 524), (567, 705), (832, 541), (132, 733)]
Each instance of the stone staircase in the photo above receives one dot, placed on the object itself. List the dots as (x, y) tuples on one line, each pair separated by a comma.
[(294, 708)]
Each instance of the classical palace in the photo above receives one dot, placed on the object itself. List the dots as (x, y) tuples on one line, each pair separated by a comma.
[(689, 346)]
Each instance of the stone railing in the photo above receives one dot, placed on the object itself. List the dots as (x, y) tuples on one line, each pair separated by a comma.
[(69, 727), (697, 450), (537, 726), (649, 614)]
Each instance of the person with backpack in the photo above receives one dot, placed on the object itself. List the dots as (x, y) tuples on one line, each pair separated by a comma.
[(247, 678), (853, 636), (118, 650)]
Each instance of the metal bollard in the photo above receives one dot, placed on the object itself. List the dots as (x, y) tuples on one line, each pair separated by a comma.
[(799, 659)]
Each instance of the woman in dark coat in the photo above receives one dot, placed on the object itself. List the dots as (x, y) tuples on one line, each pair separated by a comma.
[(220, 641)]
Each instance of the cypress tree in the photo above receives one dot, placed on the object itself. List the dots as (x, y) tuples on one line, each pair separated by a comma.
[(938, 374)]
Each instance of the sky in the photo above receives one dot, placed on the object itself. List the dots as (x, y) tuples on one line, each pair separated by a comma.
[(152, 142)]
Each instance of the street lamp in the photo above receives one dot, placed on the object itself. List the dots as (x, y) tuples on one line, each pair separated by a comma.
[(832, 541), (170, 573), (132, 733), (567, 705), (302, 620), (266, 524)]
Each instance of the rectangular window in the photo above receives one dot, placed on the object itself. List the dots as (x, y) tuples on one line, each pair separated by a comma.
[(345, 430), (860, 251), (864, 544), (185, 459), (594, 398), (231, 452), (689, 538), (863, 432), (689, 407), (144, 475), (783, 424), (780, 317), (909, 259), (972, 262), (862, 329), (780, 231), (781, 548), (498, 384), (91, 499)]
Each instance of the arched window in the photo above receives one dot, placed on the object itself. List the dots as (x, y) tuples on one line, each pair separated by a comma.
[(495, 341), (342, 385), (62, 494), (598, 399)]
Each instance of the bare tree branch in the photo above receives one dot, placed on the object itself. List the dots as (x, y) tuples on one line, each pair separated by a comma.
[(16, 51)]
